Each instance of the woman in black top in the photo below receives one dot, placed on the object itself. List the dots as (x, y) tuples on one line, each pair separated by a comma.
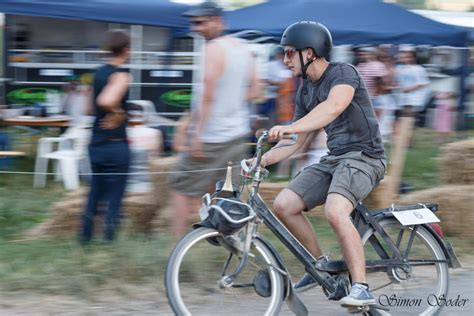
[(109, 151)]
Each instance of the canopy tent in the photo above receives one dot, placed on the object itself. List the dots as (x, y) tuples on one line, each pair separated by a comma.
[(350, 22), (143, 12)]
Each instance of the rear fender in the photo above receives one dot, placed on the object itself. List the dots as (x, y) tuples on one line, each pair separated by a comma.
[(446, 246)]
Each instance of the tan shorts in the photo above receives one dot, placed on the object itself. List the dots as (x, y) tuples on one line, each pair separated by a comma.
[(193, 177), (353, 175)]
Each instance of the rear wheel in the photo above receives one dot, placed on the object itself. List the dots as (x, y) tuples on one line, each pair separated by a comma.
[(417, 287), (196, 266)]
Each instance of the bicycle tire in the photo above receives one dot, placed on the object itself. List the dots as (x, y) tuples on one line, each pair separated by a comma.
[(187, 293), (410, 293)]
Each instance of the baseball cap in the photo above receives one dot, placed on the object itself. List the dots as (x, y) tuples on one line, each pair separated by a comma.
[(207, 8)]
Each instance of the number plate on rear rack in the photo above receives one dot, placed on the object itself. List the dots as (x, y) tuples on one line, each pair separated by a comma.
[(416, 216)]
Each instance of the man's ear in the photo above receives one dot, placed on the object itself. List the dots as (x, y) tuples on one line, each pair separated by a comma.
[(310, 54)]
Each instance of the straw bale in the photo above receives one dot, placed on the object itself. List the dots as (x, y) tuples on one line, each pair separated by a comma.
[(160, 169), (456, 163), (455, 206), (139, 211), (380, 196)]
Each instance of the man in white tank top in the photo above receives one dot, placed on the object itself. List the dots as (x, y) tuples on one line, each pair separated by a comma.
[(216, 130)]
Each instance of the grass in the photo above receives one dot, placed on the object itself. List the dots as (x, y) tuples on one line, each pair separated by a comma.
[(61, 266)]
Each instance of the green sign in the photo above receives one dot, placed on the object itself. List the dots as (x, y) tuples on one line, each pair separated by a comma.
[(29, 96), (177, 98)]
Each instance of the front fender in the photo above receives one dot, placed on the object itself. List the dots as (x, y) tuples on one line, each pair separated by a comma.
[(291, 297)]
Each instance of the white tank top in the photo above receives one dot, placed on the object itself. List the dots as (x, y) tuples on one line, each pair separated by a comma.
[(229, 116)]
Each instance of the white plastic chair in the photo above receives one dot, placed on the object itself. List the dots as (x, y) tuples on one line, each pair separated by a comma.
[(71, 156), (148, 108)]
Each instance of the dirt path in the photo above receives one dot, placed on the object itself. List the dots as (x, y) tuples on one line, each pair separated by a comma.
[(152, 301)]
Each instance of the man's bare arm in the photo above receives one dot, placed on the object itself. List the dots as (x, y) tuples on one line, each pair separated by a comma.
[(214, 60), (282, 150)]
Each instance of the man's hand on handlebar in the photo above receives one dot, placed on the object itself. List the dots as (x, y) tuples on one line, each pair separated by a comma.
[(276, 133)]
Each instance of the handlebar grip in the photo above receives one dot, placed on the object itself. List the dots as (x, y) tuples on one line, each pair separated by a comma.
[(293, 137), (246, 168)]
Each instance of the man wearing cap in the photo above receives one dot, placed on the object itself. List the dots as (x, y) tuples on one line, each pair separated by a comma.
[(217, 128)]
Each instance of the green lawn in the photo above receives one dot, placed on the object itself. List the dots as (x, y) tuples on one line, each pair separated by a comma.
[(60, 265)]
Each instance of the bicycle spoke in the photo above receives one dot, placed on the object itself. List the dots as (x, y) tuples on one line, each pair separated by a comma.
[(380, 287), (423, 273), (194, 283)]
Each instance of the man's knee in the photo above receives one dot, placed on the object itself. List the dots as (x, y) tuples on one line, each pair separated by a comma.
[(288, 203), (337, 209)]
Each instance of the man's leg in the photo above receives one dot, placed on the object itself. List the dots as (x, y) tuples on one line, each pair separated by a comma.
[(337, 211), (289, 207), (183, 206)]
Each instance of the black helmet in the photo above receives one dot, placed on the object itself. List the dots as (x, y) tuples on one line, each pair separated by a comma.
[(305, 34)]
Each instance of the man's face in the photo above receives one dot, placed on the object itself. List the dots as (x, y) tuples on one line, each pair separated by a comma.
[(365, 56), (292, 59), (204, 25), (405, 57)]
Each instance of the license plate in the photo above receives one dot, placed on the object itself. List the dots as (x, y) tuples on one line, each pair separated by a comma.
[(416, 216)]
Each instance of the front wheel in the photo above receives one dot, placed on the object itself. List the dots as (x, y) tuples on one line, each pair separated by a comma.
[(197, 264), (417, 287)]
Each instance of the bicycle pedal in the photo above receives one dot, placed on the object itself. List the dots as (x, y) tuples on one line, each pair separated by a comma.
[(380, 307), (357, 309)]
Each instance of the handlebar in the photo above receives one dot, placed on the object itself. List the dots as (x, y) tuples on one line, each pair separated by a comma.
[(259, 149)]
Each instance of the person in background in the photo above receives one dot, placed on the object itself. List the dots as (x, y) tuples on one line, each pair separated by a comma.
[(217, 128), (276, 76), (285, 101), (372, 71), (385, 100), (413, 83), (76, 99), (109, 150), (444, 118)]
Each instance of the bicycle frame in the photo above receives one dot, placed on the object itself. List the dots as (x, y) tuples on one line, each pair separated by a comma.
[(326, 272)]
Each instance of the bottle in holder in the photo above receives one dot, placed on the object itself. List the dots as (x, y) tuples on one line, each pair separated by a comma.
[(228, 189)]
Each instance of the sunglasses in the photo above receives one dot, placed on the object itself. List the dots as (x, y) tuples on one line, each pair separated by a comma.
[(197, 22), (290, 52)]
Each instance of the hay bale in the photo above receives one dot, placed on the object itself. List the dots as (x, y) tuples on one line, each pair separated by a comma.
[(455, 211), (160, 169), (456, 163), (139, 212), (380, 196)]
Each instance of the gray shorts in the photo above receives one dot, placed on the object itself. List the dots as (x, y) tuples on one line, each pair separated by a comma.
[(192, 177), (353, 175)]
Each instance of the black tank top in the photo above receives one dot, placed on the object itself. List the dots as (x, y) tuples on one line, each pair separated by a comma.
[(100, 135)]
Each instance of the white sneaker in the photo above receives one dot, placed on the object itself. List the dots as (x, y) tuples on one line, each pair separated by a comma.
[(359, 296)]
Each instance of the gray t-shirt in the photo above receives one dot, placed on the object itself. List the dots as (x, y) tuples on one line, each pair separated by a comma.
[(355, 129)]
